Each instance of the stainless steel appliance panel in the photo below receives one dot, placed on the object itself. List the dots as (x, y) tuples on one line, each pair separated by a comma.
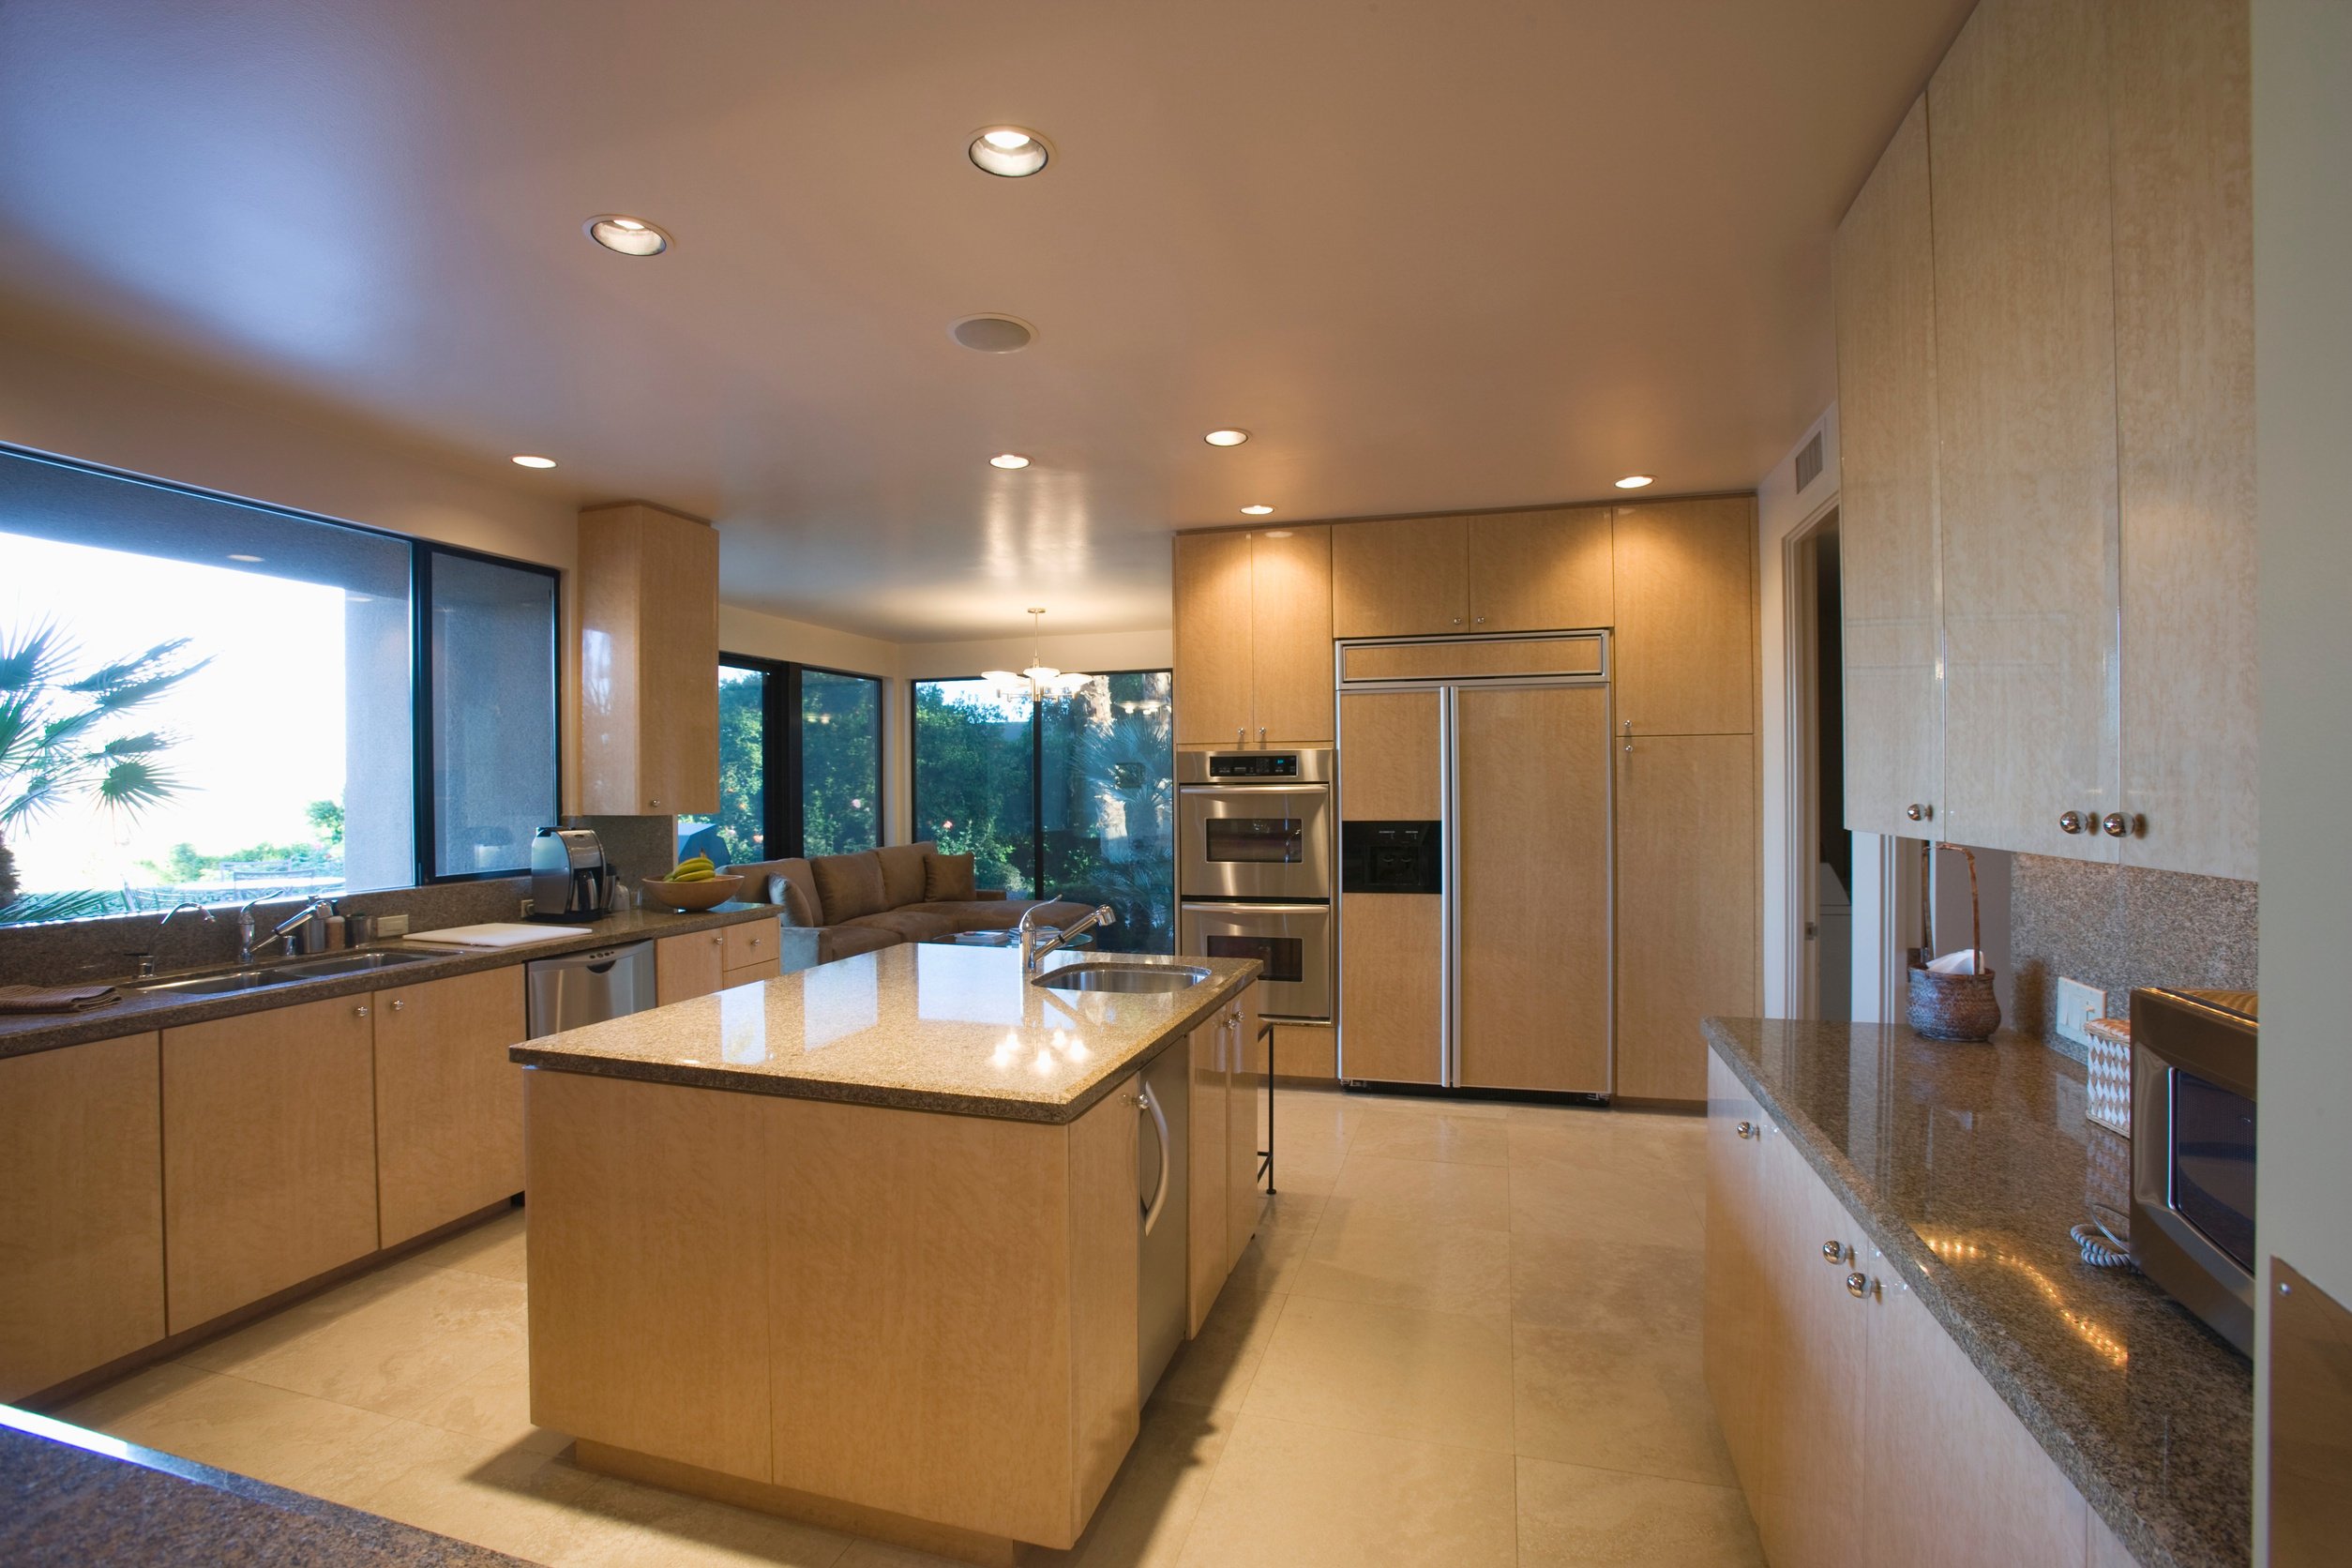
[(2194, 1075), (1163, 1162), (1295, 942), (1253, 842), (580, 988)]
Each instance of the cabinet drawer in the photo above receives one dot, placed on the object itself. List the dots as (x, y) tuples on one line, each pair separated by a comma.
[(750, 943)]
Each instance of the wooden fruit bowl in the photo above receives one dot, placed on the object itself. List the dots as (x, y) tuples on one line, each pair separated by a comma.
[(690, 895)]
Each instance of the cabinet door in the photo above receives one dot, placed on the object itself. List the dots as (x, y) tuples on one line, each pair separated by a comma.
[(2026, 413), (1214, 656), (1533, 885), (1290, 642), (649, 641), (1392, 946), (688, 966), (448, 1102), (1952, 1477), (1816, 1501), (269, 1152), (1687, 903), (1685, 649), (1205, 1208), (1738, 1316), (1408, 577), (80, 1211), (1242, 1100), (2184, 401), (1541, 571), (1885, 520)]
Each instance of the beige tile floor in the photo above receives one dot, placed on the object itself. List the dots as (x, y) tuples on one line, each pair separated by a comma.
[(1467, 1333)]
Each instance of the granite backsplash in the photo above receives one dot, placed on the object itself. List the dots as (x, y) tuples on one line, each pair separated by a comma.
[(2119, 927)]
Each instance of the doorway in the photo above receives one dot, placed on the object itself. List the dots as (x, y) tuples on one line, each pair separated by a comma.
[(1823, 857)]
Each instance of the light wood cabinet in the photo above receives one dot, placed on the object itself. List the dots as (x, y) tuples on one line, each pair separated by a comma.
[(448, 1103), (1685, 650), (1242, 1197), (1252, 618), (691, 964), (1552, 570), (2025, 409), (269, 1152), (1402, 577), (1532, 764), (1885, 523), (648, 694), (1686, 904), (1207, 1170), (1738, 1328), (1392, 946), (747, 944), (80, 1210)]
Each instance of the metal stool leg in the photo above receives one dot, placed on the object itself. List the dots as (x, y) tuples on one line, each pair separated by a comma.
[(1265, 1156)]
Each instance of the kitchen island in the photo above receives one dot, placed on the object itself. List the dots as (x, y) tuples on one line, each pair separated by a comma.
[(860, 1244)]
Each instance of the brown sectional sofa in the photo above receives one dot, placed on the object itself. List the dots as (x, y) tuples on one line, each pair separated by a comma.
[(881, 898)]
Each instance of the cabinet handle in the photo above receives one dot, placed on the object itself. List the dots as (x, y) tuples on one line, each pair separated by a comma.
[(1834, 1252), (2070, 822), (1629, 737), (1857, 1286), (1148, 1103), (1241, 737), (717, 938), (398, 1005), (1746, 1129), (360, 1011), (653, 804), (1478, 620), (2115, 825), (1457, 620), (755, 941), (1262, 737), (1919, 813)]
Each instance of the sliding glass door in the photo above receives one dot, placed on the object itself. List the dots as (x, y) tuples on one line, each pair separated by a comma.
[(799, 764)]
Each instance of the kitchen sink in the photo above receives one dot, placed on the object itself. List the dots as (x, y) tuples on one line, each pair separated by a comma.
[(1121, 977), (229, 982)]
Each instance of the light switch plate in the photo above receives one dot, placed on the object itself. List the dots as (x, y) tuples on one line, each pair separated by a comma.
[(2078, 1004), (396, 925)]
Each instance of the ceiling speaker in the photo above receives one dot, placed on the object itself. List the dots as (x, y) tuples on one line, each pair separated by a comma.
[(993, 334)]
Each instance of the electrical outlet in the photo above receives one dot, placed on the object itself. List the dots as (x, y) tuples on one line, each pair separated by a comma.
[(2078, 1004), (391, 924)]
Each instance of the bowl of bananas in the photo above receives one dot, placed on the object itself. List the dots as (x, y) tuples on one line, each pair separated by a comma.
[(695, 885)]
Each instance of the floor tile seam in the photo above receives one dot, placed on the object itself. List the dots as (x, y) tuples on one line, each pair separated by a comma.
[(1421, 1441), (1732, 1489), (459, 1380)]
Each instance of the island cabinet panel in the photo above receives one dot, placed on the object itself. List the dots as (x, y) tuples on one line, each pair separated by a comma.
[(1685, 605), (1550, 570), (448, 1102), (1215, 705), (2025, 418), (1404, 576), (2181, 109), (1206, 1172), (1686, 904), (1291, 666), (649, 639), (80, 1210), (1106, 1403), (669, 1354), (1886, 524), (1738, 1328), (689, 965), (269, 1152), (1243, 1200)]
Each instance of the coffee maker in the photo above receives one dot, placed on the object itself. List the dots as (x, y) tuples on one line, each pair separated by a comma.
[(570, 879)]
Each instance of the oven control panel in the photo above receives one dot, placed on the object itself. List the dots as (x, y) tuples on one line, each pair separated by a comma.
[(1253, 764)]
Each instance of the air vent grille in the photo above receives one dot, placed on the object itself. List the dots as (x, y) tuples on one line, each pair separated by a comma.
[(1809, 463)]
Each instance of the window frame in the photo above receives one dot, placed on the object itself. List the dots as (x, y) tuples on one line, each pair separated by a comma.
[(784, 812)]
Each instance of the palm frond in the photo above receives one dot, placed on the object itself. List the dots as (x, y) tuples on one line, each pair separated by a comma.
[(133, 785), (130, 694), (108, 676), (20, 729), (143, 745), (34, 657), (29, 909), (35, 795)]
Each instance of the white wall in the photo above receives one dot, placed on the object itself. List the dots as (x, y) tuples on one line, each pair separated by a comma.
[(2303, 56), (1783, 512), (1089, 650)]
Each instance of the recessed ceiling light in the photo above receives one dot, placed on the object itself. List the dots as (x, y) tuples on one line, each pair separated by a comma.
[(524, 459), (630, 237), (1635, 481), (1008, 459), (1225, 438), (245, 558), (1009, 151), (1257, 511), (992, 333)]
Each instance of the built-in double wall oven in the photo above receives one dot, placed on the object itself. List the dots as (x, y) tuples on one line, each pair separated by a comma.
[(1255, 845)]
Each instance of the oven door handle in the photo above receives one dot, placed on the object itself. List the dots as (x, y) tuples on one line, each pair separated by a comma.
[(1226, 907)]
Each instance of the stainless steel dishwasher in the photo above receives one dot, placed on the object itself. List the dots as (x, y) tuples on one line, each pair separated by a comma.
[(588, 987), (1163, 1159)]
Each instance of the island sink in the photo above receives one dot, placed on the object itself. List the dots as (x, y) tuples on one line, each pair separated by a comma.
[(1121, 977)]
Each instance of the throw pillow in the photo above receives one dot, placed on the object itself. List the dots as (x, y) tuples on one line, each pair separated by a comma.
[(849, 885), (948, 878), (784, 891)]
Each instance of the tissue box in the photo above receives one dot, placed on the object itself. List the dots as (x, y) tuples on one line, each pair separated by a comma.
[(2109, 1102)]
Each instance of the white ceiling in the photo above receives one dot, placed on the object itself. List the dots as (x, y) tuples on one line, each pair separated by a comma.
[(1436, 254)]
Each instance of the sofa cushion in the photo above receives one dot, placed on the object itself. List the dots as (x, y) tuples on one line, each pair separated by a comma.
[(849, 885), (846, 942), (809, 910), (946, 878), (910, 924), (902, 873)]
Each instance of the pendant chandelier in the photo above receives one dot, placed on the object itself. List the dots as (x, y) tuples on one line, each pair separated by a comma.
[(1040, 680)]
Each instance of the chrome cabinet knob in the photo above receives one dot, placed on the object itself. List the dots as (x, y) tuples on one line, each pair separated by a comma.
[(1745, 1129), (360, 1011), (1918, 812), (1834, 1252), (755, 941), (2115, 825), (717, 938), (653, 804), (1857, 1286), (2070, 822), (398, 1005), (1478, 620)]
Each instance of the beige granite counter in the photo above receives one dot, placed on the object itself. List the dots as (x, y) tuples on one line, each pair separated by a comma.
[(140, 1011), (922, 1026)]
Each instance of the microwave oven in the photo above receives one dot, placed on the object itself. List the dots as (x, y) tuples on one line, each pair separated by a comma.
[(2193, 1152)]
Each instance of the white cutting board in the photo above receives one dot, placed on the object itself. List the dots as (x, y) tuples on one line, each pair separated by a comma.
[(499, 934)]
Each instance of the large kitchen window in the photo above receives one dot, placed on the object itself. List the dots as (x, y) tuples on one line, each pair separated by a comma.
[(212, 700), (799, 764), (1071, 793)]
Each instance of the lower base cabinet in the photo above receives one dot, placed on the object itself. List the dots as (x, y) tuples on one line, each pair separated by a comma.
[(1859, 1431), (688, 966), (448, 1103)]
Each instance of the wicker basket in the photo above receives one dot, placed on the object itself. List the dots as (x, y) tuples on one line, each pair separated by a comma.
[(1952, 1006)]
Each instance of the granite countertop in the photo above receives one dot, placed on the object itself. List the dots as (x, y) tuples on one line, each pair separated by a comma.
[(141, 1011), (922, 1026), (1969, 1163), (68, 1495)]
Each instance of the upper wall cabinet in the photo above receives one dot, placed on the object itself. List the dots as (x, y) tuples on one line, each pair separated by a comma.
[(648, 645), (1886, 525), (1686, 638), (1544, 571), (1253, 637), (2048, 443)]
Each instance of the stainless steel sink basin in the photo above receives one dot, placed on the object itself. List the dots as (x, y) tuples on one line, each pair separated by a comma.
[(1121, 977), (259, 978)]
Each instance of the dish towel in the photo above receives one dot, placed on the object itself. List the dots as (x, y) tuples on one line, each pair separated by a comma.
[(56, 999)]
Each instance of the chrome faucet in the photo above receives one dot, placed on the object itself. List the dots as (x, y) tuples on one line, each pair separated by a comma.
[(178, 909), (283, 932), (1034, 947)]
